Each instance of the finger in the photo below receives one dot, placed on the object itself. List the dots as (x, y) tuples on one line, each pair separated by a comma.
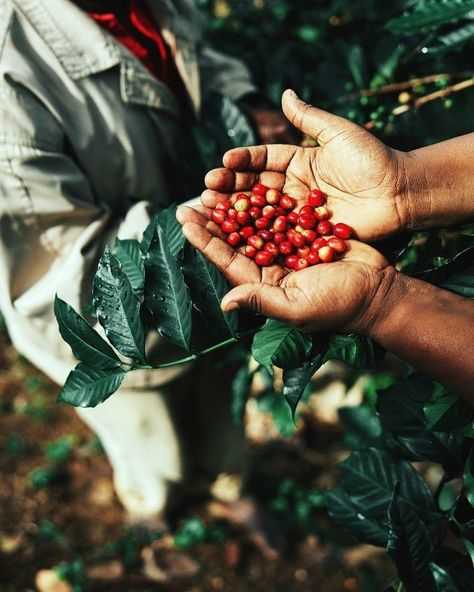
[(237, 268), (210, 198), (320, 125), (198, 215), (266, 299), (274, 157), (227, 181)]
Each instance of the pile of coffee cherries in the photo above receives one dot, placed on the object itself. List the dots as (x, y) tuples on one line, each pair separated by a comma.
[(270, 230)]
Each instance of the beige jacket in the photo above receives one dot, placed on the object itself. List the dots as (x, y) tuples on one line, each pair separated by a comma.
[(86, 135)]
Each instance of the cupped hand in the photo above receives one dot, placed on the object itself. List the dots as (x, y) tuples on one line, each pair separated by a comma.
[(343, 295), (365, 180)]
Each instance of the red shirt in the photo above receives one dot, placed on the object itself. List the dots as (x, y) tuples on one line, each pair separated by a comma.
[(133, 26)]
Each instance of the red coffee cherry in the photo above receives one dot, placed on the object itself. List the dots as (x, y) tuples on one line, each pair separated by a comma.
[(256, 242), (259, 189), (278, 238), (263, 258), (250, 251), (297, 240), (290, 232), (309, 235), (313, 258), (279, 211), (306, 210), (287, 202), (338, 244), (343, 231), (232, 214), (286, 248), (318, 243), (229, 226), (224, 205), (324, 228), (262, 223), (247, 231), (316, 198), (273, 196), (307, 221), (234, 239), (303, 252), (243, 218), (242, 203), (258, 200), (272, 249), (321, 213), (326, 254), (301, 264), (268, 212), (266, 235), (255, 212), (291, 261), (218, 216), (280, 224), (292, 218)]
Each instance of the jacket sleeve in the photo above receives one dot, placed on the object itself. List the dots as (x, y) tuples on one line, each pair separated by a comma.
[(224, 74)]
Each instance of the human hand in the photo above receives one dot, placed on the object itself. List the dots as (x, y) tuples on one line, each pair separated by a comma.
[(343, 295), (365, 180)]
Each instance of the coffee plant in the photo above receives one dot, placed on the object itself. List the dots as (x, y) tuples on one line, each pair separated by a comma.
[(403, 70)]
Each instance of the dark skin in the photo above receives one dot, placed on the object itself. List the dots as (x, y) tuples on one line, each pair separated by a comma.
[(381, 192)]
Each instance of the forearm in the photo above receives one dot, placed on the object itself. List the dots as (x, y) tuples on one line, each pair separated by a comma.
[(430, 328), (440, 184)]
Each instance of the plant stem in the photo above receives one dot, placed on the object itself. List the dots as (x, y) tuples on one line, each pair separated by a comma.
[(400, 587)]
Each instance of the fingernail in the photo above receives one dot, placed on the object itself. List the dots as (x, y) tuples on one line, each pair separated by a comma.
[(292, 93), (229, 306)]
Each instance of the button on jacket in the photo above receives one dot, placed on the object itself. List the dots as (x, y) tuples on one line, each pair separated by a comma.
[(87, 135)]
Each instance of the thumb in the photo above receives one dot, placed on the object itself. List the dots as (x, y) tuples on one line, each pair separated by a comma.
[(316, 123), (271, 301)]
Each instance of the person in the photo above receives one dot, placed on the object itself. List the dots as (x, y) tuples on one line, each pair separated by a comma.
[(380, 192), (97, 97)]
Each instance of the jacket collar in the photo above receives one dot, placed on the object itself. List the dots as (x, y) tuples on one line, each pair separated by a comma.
[(83, 48)]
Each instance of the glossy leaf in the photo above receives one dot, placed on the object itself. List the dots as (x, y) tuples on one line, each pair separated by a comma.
[(86, 344), (354, 350), (447, 412), (172, 230), (444, 582), (353, 520), (429, 14), (296, 380), (409, 544), (453, 38), (469, 477), (280, 345), (166, 294), (131, 259), (208, 286), (240, 390), (118, 308), (87, 387)]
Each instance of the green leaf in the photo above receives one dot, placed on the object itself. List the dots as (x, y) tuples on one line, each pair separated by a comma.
[(166, 294), (86, 344), (172, 229), (430, 14), (87, 387), (409, 544), (469, 477), (469, 548), (352, 520), (362, 421), (280, 345), (118, 308), (369, 477), (444, 582), (131, 259), (355, 350), (208, 286), (240, 390), (453, 39), (295, 381), (447, 412)]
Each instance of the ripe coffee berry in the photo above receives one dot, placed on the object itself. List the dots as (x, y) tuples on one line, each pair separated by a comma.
[(258, 200), (218, 216), (265, 234), (321, 213), (229, 226), (272, 248), (243, 218), (234, 239), (318, 243), (326, 254), (224, 205), (291, 261), (278, 238), (313, 258), (259, 189), (268, 212), (307, 221), (279, 211), (255, 212), (262, 223), (256, 242), (316, 198), (309, 235), (287, 202), (301, 264), (292, 218), (242, 203), (280, 224), (286, 248), (250, 251), (303, 252), (297, 240), (324, 228), (338, 244), (232, 214), (263, 258), (247, 231), (306, 210), (273, 196), (343, 231)]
